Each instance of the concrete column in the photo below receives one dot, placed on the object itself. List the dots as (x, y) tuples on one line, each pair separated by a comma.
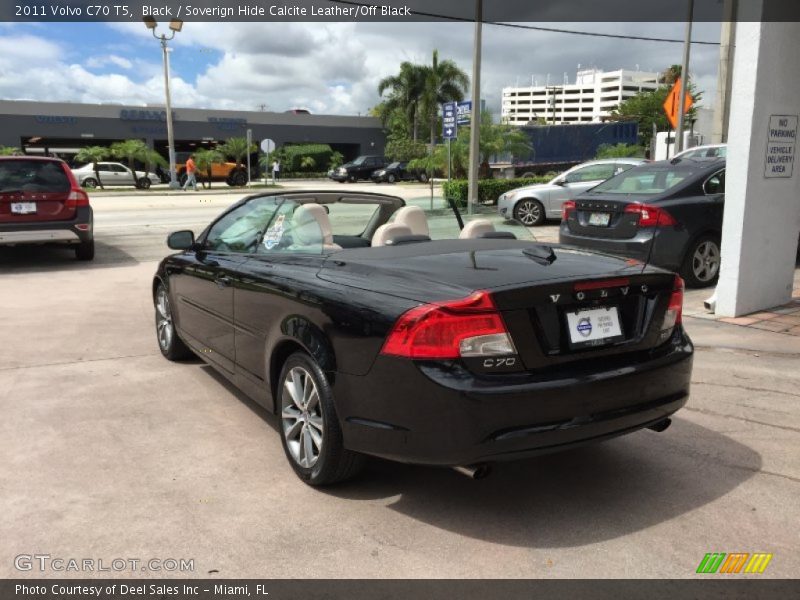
[(762, 205)]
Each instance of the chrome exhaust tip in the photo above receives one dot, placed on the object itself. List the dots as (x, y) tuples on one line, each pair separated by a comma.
[(480, 471), (661, 425)]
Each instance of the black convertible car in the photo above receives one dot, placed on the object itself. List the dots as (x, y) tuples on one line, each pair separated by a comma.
[(337, 312)]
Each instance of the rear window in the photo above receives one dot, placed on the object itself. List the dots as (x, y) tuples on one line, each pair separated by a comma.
[(33, 176), (644, 180)]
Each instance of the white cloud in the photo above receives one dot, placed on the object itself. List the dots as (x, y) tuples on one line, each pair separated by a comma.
[(328, 68)]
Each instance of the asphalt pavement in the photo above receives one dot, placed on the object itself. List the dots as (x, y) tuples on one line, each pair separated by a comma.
[(110, 451)]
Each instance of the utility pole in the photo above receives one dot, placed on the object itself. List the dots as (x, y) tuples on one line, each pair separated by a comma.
[(475, 120), (722, 103), (687, 46)]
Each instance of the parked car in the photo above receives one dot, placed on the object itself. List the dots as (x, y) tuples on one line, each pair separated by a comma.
[(42, 203), (532, 204), (666, 213), (360, 168), (398, 171), (454, 352), (113, 173), (709, 151)]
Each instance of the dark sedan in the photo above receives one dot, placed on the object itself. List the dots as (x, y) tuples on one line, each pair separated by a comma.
[(398, 171), (667, 213), (338, 313)]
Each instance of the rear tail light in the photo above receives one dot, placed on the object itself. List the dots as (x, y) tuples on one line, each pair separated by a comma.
[(651, 216), (567, 208), (77, 198), (470, 327), (674, 314)]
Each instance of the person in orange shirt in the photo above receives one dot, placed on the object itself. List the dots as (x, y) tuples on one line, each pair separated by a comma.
[(191, 174)]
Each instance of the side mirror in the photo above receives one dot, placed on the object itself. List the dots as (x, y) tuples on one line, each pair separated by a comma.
[(562, 182), (181, 240)]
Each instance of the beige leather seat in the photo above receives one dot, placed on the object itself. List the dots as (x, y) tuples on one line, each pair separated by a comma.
[(385, 235), (475, 229), (311, 227), (414, 218)]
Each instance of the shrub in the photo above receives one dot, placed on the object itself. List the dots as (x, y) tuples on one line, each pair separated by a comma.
[(488, 189), (292, 156)]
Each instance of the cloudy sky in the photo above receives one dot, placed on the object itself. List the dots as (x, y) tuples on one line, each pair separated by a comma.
[(330, 68)]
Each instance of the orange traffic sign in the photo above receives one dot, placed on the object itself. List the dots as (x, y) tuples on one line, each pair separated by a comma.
[(673, 101)]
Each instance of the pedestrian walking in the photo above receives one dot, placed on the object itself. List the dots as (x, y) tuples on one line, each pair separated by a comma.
[(276, 170), (191, 174)]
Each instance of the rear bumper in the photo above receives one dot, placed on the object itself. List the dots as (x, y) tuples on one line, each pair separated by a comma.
[(79, 229), (667, 246), (433, 413)]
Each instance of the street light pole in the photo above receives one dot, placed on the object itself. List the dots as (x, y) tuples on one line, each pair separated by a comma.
[(475, 119), (687, 46), (175, 26)]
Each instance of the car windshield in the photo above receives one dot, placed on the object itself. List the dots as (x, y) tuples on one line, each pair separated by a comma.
[(33, 176), (443, 225), (646, 179)]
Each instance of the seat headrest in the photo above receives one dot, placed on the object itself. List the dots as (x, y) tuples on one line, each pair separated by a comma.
[(311, 225), (414, 218), (386, 234), (475, 229)]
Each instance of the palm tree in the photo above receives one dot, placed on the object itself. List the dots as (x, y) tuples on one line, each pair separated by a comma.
[(406, 90), (205, 158), (237, 148), (130, 151), (93, 154), (444, 82)]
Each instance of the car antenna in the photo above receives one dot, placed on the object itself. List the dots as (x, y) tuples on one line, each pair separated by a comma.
[(452, 204)]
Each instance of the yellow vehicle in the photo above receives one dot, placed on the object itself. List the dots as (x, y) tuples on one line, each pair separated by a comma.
[(229, 172)]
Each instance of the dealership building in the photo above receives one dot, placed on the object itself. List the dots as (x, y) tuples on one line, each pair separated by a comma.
[(63, 128)]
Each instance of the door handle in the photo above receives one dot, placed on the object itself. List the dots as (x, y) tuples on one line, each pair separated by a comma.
[(223, 281)]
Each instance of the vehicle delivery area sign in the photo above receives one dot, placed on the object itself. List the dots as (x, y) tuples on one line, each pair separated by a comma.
[(781, 145), (449, 125)]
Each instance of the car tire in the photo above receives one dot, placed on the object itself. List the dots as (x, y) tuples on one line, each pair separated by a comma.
[(309, 428), (702, 262), (171, 346), (529, 212), (89, 183), (144, 183), (237, 179), (423, 178), (85, 250), (391, 178)]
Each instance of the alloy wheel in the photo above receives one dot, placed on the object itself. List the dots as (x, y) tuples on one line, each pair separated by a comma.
[(301, 417), (164, 327), (706, 261), (529, 212)]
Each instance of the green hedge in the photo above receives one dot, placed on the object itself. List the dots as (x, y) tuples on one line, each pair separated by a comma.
[(488, 189), (294, 153), (303, 175)]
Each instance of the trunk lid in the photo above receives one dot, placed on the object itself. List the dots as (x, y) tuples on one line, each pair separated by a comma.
[(533, 286), (603, 217)]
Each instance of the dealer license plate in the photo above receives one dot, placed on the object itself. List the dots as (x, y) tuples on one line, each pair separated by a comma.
[(594, 326), (23, 208), (599, 219)]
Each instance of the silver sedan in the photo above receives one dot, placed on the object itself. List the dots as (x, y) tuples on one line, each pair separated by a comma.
[(531, 205)]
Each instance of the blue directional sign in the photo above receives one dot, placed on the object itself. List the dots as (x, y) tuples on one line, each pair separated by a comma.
[(464, 112), (449, 124)]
